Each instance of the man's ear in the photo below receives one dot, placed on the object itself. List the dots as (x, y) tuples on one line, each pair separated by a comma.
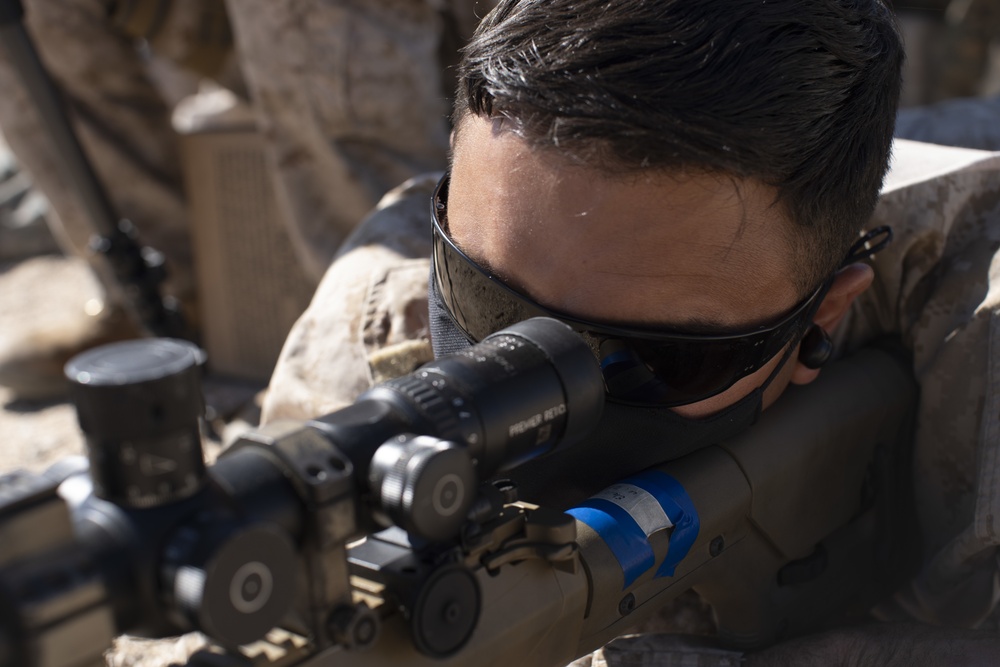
[(847, 285)]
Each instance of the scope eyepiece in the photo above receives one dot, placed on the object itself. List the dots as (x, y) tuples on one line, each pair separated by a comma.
[(525, 391)]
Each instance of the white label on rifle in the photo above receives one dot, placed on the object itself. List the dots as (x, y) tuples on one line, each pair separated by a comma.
[(640, 505)]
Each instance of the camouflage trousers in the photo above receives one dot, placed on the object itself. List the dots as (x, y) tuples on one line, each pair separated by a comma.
[(121, 120), (349, 95)]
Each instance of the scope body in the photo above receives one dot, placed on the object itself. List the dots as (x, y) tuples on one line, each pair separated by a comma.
[(780, 545), (263, 538)]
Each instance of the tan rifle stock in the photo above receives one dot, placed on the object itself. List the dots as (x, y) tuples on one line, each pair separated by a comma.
[(805, 521)]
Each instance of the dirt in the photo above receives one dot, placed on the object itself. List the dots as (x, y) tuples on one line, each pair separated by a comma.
[(42, 298)]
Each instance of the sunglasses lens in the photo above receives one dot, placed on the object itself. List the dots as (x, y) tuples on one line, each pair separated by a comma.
[(478, 304), (669, 373), (644, 367)]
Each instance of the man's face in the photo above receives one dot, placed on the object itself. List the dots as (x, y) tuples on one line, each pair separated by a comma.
[(688, 252)]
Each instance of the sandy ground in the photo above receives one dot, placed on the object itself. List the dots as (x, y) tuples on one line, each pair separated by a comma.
[(34, 435), (41, 298)]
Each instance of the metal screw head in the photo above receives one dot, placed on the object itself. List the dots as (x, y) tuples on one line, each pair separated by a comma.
[(452, 612), (716, 546), (353, 627), (627, 605)]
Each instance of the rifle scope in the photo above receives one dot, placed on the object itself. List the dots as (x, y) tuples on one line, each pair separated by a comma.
[(152, 542)]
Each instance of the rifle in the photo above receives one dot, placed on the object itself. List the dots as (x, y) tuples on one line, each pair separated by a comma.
[(802, 521)]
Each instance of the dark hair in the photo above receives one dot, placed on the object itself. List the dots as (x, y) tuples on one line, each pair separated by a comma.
[(801, 95)]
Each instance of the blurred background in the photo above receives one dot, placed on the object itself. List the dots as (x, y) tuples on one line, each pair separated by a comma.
[(244, 140)]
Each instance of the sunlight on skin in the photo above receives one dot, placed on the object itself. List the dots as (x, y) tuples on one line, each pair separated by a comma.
[(685, 251)]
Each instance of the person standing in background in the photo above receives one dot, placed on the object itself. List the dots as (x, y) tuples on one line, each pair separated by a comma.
[(350, 97)]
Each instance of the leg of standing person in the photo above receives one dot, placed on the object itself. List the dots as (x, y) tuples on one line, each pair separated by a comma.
[(124, 127), (353, 97), (349, 97)]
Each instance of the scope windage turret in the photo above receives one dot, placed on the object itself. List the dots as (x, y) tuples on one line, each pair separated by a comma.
[(139, 404)]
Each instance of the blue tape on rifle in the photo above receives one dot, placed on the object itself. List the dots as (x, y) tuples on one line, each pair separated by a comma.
[(621, 533), (627, 540), (679, 509)]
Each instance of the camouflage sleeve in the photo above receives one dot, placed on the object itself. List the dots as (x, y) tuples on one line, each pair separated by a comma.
[(368, 319), (349, 97), (937, 288)]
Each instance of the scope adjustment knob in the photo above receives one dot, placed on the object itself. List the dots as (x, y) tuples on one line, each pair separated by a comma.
[(424, 485), (139, 404), (233, 584), (446, 612)]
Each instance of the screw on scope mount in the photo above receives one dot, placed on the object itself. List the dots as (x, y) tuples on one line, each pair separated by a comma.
[(355, 627), (139, 404)]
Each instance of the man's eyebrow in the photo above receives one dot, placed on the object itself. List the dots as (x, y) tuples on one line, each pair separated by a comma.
[(697, 324)]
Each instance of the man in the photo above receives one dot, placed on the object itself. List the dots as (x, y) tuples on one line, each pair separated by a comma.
[(682, 171)]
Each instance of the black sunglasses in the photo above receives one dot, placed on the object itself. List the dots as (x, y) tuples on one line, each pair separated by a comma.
[(640, 366)]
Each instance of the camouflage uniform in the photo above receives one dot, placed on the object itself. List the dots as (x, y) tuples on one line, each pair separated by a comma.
[(121, 119), (937, 287), (368, 321), (352, 101), (350, 96)]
